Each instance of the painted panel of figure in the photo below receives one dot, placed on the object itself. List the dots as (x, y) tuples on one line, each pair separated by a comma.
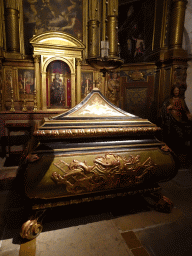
[(26, 81), (58, 85), (86, 83), (51, 15), (135, 22), (113, 87)]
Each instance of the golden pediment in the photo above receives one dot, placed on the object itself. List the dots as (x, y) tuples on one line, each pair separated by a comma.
[(57, 39)]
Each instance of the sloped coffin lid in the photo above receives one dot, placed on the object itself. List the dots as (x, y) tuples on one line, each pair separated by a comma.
[(94, 112)]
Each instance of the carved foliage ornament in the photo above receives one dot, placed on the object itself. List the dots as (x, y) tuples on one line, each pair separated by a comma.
[(107, 172)]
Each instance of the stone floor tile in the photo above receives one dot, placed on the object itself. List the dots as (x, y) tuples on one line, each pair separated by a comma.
[(146, 219), (131, 240), (10, 253), (140, 252), (93, 239), (8, 245), (28, 248), (172, 239)]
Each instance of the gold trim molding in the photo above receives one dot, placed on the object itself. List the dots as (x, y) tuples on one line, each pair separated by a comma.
[(95, 132)]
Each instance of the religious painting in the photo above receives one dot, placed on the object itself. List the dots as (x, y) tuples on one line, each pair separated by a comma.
[(113, 87), (58, 85), (26, 82), (135, 29), (51, 15), (8, 83), (86, 83)]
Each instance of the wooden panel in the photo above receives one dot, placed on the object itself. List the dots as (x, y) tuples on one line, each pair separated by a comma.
[(138, 96)]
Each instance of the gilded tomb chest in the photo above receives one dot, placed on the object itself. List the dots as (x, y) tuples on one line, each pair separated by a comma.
[(94, 150)]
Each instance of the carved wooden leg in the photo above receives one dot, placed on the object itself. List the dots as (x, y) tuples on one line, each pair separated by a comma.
[(32, 228), (159, 202)]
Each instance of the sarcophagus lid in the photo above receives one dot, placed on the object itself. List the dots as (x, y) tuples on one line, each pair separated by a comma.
[(95, 147), (94, 116)]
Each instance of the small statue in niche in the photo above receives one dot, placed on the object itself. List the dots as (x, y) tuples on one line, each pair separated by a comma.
[(57, 91), (176, 121), (113, 88)]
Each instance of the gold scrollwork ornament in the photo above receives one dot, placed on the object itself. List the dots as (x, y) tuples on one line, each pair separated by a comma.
[(31, 229)]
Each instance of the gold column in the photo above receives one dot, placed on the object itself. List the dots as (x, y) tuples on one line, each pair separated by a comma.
[(78, 62), (93, 39), (12, 29), (112, 14), (112, 35), (37, 76), (73, 102), (93, 29), (177, 23), (112, 7), (43, 91)]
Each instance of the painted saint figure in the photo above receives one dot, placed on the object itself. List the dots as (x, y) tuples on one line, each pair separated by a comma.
[(57, 91), (113, 88)]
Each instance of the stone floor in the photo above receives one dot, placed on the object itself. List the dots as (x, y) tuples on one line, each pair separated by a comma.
[(119, 226)]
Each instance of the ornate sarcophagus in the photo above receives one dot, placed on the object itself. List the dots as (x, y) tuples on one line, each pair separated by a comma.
[(91, 152)]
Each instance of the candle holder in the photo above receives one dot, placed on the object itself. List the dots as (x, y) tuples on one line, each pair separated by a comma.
[(35, 101), (24, 102), (12, 109)]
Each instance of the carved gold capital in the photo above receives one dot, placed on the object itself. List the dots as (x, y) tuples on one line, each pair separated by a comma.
[(37, 58), (78, 61)]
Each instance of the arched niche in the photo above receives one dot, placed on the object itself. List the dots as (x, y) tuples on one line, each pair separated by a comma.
[(58, 85), (56, 46)]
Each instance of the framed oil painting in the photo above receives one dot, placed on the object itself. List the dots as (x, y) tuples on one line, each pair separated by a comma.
[(113, 87), (52, 15), (26, 81), (135, 29), (86, 83)]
